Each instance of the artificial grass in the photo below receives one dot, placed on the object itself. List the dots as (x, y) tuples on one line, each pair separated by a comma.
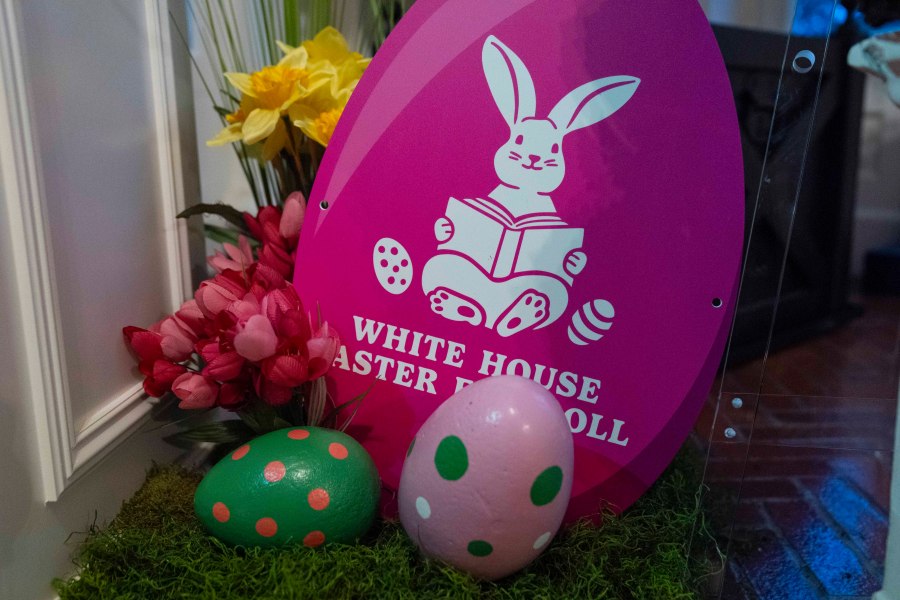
[(156, 548)]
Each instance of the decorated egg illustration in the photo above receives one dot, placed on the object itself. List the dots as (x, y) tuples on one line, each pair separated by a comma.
[(487, 478), (591, 321), (304, 485), (393, 268)]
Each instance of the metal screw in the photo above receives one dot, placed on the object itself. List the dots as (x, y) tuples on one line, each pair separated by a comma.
[(737, 402), (730, 432)]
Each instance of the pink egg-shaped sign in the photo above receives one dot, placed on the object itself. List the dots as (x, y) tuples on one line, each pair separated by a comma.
[(537, 188)]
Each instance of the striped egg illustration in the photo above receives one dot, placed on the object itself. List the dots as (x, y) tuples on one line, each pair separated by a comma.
[(487, 478), (591, 321), (303, 485)]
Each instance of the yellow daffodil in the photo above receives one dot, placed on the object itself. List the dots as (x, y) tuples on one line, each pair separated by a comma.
[(311, 84), (266, 96), (317, 114)]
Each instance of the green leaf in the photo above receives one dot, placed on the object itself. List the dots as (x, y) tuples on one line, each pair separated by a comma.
[(229, 213), (262, 418), (222, 432), (331, 420), (223, 112), (291, 23), (232, 96), (221, 234)]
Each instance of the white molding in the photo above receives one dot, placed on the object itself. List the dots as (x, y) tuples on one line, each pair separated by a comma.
[(33, 268), (165, 103), (68, 451)]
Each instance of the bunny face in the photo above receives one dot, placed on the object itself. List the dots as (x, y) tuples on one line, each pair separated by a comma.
[(532, 158)]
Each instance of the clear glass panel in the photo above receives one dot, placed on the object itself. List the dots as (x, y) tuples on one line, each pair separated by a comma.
[(798, 430)]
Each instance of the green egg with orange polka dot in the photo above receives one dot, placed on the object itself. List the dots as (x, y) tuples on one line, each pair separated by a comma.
[(302, 485)]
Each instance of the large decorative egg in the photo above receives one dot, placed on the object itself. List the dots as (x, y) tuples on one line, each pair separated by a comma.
[(300, 485), (487, 478), (450, 266)]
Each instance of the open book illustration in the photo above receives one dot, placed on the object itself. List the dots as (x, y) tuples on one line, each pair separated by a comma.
[(503, 246)]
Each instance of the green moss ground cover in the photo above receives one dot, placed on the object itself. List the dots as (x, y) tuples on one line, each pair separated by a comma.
[(156, 548)]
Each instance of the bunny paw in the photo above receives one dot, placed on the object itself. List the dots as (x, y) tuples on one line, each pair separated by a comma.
[(455, 307), (526, 312)]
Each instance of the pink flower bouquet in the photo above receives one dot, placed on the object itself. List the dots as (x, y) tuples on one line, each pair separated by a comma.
[(245, 342)]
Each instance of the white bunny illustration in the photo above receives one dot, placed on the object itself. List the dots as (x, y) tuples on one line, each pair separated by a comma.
[(507, 261)]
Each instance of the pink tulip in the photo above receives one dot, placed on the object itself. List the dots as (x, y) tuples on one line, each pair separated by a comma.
[(292, 216), (236, 258), (288, 370), (272, 393), (265, 279), (323, 348), (277, 258), (147, 345), (155, 389), (266, 226), (257, 339), (293, 327), (223, 366), (167, 372), (177, 339), (159, 376), (195, 391), (279, 301), (191, 315), (216, 294), (280, 304), (284, 310), (232, 396), (245, 308)]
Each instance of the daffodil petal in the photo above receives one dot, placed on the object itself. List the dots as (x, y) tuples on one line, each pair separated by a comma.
[(296, 94), (275, 142), (297, 58), (328, 44), (259, 124), (228, 135), (310, 130), (284, 47), (241, 81), (302, 112)]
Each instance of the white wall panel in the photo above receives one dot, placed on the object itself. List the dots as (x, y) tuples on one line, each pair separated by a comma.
[(93, 109), (96, 166), (97, 154)]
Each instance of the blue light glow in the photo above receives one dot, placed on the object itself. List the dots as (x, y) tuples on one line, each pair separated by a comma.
[(814, 18)]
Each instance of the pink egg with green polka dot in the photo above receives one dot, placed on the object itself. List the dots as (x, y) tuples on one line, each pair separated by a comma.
[(303, 485), (487, 478)]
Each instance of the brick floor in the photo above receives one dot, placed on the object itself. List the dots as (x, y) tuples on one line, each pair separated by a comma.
[(800, 484)]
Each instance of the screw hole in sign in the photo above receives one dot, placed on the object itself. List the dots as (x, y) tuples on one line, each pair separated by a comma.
[(804, 62), (717, 302), (323, 204)]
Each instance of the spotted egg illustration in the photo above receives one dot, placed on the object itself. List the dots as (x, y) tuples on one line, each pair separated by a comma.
[(487, 478), (393, 266), (591, 321), (303, 485)]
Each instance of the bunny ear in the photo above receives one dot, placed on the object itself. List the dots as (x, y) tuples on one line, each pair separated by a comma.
[(509, 80), (593, 102)]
